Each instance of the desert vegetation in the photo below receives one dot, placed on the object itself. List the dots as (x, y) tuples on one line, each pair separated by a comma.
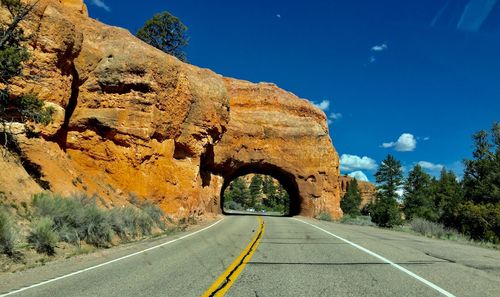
[(50, 221)]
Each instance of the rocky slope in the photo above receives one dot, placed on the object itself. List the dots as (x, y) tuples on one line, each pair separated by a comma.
[(131, 119)]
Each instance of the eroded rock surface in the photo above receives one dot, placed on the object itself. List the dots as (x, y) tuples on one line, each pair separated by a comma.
[(132, 120)]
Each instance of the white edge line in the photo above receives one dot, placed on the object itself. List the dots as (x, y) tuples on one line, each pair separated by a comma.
[(109, 262), (421, 279)]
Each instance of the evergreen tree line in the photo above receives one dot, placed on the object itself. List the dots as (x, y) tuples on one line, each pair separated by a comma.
[(261, 194), (470, 205)]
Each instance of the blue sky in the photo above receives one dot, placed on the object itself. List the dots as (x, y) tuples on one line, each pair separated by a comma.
[(410, 78)]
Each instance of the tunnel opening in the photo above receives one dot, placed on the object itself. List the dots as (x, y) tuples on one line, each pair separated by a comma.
[(263, 190)]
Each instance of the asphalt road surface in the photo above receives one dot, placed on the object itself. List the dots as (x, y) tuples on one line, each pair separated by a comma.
[(271, 256)]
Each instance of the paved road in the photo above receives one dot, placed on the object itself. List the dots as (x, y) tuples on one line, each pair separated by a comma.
[(291, 258)]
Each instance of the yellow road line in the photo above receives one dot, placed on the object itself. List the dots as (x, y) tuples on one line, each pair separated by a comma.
[(226, 280)]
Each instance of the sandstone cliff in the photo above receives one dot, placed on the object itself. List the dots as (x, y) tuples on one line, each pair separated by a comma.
[(132, 119), (366, 189)]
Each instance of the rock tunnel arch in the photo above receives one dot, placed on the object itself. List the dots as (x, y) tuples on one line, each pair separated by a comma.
[(286, 179), (271, 131)]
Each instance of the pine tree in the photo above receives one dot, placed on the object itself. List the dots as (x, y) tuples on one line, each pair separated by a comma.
[(352, 199), (281, 200), (269, 190), (255, 188), (167, 33), (385, 210), (239, 192), (417, 198), (447, 193), (477, 216), (482, 173)]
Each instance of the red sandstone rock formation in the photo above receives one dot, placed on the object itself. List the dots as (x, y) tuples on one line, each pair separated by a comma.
[(273, 131), (132, 119), (366, 189)]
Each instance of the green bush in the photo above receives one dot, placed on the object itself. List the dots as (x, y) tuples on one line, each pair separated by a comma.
[(385, 212), (94, 226), (75, 218), (480, 221), (324, 216), (432, 229), (124, 222), (154, 212), (43, 237), (79, 218), (64, 211), (8, 233), (32, 108), (128, 222), (357, 220), (69, 235), (144, 223)]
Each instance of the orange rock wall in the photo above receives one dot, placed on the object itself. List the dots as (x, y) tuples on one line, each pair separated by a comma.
[(131, 119)]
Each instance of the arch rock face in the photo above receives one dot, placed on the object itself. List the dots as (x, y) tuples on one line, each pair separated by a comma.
[(276, 132), (133, 121)]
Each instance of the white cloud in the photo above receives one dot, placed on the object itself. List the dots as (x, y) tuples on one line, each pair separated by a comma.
[(372, 60), (359, 175), (101, 4), (379, 48), (430, 166), (278, 16), (353, 162), (405, 143), (426, 138), (475, 13), (335, 115), (323, 105)]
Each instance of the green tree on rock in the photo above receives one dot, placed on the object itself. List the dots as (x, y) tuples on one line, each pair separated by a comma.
[(418, 201), (165, 32), (13, 54), (385, 210), (352, 199)]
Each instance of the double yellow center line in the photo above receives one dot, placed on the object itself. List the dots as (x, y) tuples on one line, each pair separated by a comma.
[(226, 280)]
